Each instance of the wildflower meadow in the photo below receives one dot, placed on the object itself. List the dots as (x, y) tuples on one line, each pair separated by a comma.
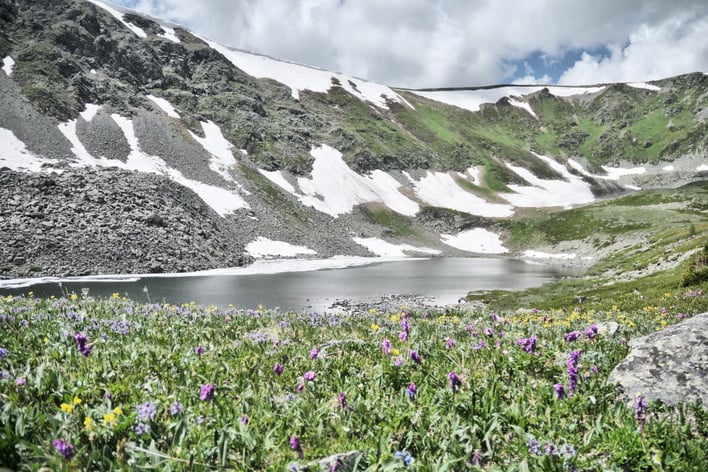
[(112, 384)]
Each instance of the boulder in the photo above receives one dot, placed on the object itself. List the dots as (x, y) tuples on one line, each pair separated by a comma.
[(670, 365)]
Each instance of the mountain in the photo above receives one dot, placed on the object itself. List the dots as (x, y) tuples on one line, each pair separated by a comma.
[(130, 144)]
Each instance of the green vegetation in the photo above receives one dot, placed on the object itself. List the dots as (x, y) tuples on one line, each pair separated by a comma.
[(95, 384)]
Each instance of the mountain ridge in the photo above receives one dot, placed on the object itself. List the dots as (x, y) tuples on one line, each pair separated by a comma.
[(88, 90)]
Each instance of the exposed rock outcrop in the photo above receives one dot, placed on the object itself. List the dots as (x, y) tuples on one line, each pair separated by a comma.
[(670, 365)]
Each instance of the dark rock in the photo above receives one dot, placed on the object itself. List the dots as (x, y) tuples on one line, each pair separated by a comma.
[(155, 220)]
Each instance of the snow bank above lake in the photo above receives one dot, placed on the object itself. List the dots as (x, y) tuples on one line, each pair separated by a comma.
[(477, 240), (263, 247), (386, 249)]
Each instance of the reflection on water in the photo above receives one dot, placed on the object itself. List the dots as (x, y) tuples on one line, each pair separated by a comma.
[(444, 279)]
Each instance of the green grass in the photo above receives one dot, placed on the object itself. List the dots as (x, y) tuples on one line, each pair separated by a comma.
[(396, 224), (137, 401)]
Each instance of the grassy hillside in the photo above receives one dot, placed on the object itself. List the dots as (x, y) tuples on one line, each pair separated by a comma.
[(646, 242)]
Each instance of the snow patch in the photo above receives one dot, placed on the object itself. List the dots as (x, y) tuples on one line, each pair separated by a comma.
[(277, 178), (702, 167), (219, 147), (668, 168), (164, 106), (8, 65), (169, 33), (440, 189), (300, 77), (138, 31), (477, 240), (548, 193), (15, 155), (614, 173), (90, 111), (545, 255), (263, 247), (644, 85), (223, 201), (334, 188), (472, 100), (474, 174), (524, 105), (385, 249)]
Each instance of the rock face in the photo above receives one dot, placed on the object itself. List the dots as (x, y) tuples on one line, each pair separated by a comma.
[(670, 365), (108, 221)]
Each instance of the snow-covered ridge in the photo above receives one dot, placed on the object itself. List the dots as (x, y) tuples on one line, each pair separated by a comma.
[(119, 16), (472, 100), (301, 77)]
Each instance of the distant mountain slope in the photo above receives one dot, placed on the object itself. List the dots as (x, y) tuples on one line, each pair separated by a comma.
[(284, 152)]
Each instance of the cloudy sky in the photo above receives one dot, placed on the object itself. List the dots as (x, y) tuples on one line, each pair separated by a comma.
[(436, 43)]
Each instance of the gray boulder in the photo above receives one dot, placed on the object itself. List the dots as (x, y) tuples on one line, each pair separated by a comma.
[(670, 365)]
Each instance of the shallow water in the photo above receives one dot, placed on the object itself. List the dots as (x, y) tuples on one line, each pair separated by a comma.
[(444, 280)]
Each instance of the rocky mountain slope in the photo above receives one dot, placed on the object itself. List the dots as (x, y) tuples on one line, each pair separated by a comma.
[(129, 144)]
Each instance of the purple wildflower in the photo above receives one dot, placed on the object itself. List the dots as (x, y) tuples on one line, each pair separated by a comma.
[(206, 392), (314, 353), (244, 419), (488, 332), (560, 391), (342, 399), (295, 445), (309, 375), (411, 390), (567, 451), (640, 411), (477, 458), (405, 326), (573, 336), (142, 428), (278, 368), (64, 448), (147, 411), (572, 367), (3, 353), (551, 449), (176, 408), (415, 357), (403, 336), (199, 350), (201, 419), (405, 456), (495, 317), (591, 331), (386, 346), (20, 381), (450, 343), (527, 344), (534, 447), (82, 344), (455, 381), (300, 387)]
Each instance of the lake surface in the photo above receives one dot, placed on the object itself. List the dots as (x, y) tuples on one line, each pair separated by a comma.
[(444, 280)]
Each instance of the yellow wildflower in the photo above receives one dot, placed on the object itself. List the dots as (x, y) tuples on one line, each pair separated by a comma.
[(109, 419), (115, 295), (118, 410), (77, 401), (89, 424), (46, 340), (374, 327), (66, 408), (395, 351), (74, 297)]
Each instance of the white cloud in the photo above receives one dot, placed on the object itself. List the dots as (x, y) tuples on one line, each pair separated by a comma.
[(675, 46), (418, 43)]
